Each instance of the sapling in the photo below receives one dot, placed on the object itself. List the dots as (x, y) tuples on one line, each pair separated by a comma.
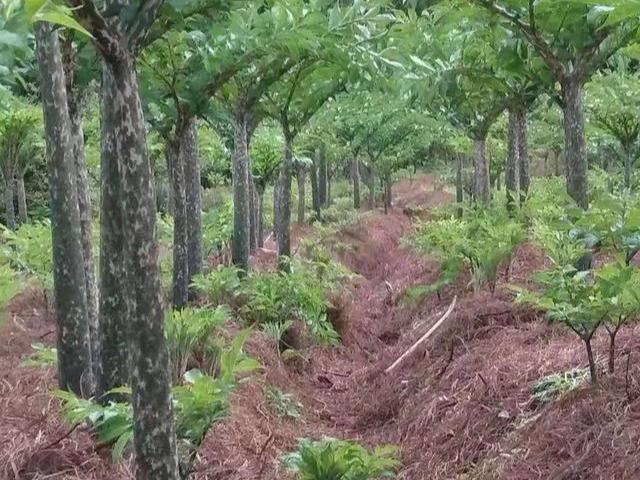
[(617, 294), (569, 297)]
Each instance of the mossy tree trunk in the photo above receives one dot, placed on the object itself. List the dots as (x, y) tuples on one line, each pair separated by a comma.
[(481, 190), (355, 172), (575, 146), (75, 372), (241, 193), (282, 224), (523, 150), (315, 187), (193, 192), (323, 176), (260, 214), (180, 281), (21, 194), (9, 205), (512, 175), (301, 179)]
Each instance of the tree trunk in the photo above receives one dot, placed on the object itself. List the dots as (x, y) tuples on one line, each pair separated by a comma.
[(372, 188), (522, 128), (114, 366), (628, 165), (592, 363), (260, 215), (356, 182), (329, 200), (241, 220), (512, 174), (575, 149), (21, 193), (193, 189), (9, 206), (315, 188), (154, 434), (177, 155), (387, 193), (481, 171), (459, 184), (301, 178), (74, 352), (169, 154), (322, 175), (253, 225), (86, 221), (283, 217)]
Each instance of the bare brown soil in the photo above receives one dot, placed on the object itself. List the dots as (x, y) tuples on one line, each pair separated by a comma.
[(460, 407)]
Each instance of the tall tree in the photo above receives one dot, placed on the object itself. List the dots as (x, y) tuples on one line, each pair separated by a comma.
[(74, 352)]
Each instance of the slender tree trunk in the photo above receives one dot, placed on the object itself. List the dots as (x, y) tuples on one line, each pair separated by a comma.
[(283, 217), (481, 171), (21, 193), (86, 220), (322, 175), (459, 184), (169, 154), (154, 434), (387, 193), (512, 173), (241, 193), (193, 193), (592, 363), (315, 189), (75, 371), (260, 214), (253, 225), (356, 182), (575, 148), (372, 187), (628, 165), (522, 129), (180, 236), (114, 366), (329, 185), (9, 206), (301, 179)]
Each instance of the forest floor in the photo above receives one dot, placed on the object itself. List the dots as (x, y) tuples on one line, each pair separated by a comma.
[(460, 407)]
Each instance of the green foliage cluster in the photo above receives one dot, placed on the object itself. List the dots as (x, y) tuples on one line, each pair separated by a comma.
[(552, 386), (284, 404), (28, 250), (482, 240), (199, 402), (332, 459), (43, 356), (10, 286)]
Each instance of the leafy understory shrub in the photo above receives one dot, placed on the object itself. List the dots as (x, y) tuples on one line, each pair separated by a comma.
[(221, 286), (29, 250), (483, 241), (42, 356), (10, 286), (549, 388), (283, 404), (332, 459), (200, 402), (192, 337)]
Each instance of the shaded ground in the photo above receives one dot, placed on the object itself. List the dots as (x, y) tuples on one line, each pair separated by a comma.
[(460, 407)]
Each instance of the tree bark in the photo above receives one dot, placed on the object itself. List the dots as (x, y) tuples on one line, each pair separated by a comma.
[(193, 191), (301, 178), (154, 434), (322, 176), (481, 170), (387, 193), (575, 148), (512, 173), (253, 219), (459, 184), (283, 217), (240, 179), (75, 371), (372, 187), (315, 188), (9, 206), (114, 366), (522, 128), (628, 165), (355, 172), (260, 214), (180, 236), (21, 193), (86, 219)]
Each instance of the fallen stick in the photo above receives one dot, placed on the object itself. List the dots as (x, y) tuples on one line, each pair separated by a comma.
[(424, 337)]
